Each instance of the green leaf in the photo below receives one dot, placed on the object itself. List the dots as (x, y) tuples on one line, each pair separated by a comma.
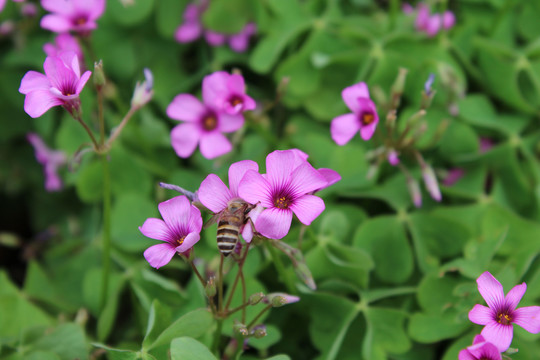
[(167, 19), (108, 314), (227, 16), (186, 348), (385, 240), (334, 226), (132, 14), (279, 357), (89, 183), (159, 318), (68, 341), (431, 328), (385, 330), (195, 324), (468, 141), (118, 354)]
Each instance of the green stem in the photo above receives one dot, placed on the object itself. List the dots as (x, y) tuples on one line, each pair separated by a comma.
[(238, 274), (88, 131), (254, 321), (106, 238), (120, 127), (101, 117), (217, 337), (394, 10), (220, 284)]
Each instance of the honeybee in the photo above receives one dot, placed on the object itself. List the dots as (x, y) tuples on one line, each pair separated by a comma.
[(230, 224)]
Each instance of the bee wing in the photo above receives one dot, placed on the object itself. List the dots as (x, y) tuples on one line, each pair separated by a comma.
[(214, 219)]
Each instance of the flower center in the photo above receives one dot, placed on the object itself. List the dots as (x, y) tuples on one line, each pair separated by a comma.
[(80, 20), (180, 241), (236, 101), (504, 319), (367, 118), (209, 122), (282, 202)]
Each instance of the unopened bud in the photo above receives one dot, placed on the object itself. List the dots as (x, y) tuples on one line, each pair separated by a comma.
[(143, 92), (99, 75), (240, 329), (392, 157), (29, 10), (391, 119), (259, 332), (210, 288), (283, 85), (398, 86), (431, 183), (414, 191), (303, 272), (256, 298), (280, 299)]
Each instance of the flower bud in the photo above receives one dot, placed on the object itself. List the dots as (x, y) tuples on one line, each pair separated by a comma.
[(240, 329), (431, 183), (259, 332), (256, 298), (280, 299), (414, 191), (210, 288), (392, 157), (99, 76), (143, 92), (398, 86)]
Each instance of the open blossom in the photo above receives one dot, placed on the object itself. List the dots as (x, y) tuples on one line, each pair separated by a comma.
[(480, 350), (284, 190), (363, 118), (331, 176), (72, 15), (179, 230), (206, 121), (227, 93), (429, 23), (502, 313), (63, 43), (61, 85), (192, 28), (215, 195), (51, 161)]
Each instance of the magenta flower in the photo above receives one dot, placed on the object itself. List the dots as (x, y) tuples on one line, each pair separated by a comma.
[(392, 157), (51, 161), (239, 42), (215, 195), (72, 15), (191, 29), (214, 38), (502, 313), (2, 4), (453, 176), (64, 43), (480, 350), (179, 230), (448, 20), (431, 24), (61, 85), (329, 175), (363, 118), (284, 189), (204, 125), (227, 92)]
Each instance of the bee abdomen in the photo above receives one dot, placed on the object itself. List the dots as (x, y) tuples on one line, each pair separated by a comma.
[(227, 237)]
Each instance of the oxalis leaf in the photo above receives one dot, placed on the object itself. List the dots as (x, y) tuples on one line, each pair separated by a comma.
[(186, 348)]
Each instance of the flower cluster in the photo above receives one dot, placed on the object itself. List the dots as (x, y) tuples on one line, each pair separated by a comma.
[(224, 101), (50, 159), (287, 188), (429, 23), (192, 28), (497, 318)]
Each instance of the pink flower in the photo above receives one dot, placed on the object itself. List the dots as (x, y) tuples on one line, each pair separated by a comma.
[(72, 15), (214, 38), (2, 4), (448, 20), (61, 85), (363, 118), (392, 157), (51, 161), (284, 189), (179, 230), (215, 195), (191, 29), (453, 176), (432, 24), (227, 92), (239, 42), (502, 313), (329, 175), (480, 350), (204, 125), (64, 43)]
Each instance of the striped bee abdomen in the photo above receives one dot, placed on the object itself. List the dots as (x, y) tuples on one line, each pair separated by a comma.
[(227, 235)]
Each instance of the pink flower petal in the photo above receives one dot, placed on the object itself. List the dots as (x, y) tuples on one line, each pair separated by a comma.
[(466, 355), (499, 335), (52, 180), (186, 107), (279, 166), (237, 171), (236, 84), (422, 17), (491, 290), (214, 144), (36, 103), (84, 78), (59, 74), (195, 221), (156, 229), (41, 150), (366, 132), (485, 350), (274, 223), (307, 208), (190, 240), (188, 32), (55, 23), (214, 194), (184, 139), (514, 296), (32, 81), (254, 188), (228, 123), (93, 8), (239, 42), (433, 25), (214, 38), (481, 315), (305, 179), (528, 317), (448, 19), (176, 213), (58, 6), (159, 255), (214, 88), (330, 176), (352, 93), (344, 127), (478, 339)]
